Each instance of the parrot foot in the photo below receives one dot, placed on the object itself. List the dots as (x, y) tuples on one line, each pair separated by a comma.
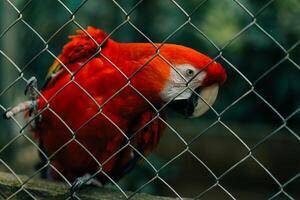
[(21, 107), (84, 180), (30, 106)]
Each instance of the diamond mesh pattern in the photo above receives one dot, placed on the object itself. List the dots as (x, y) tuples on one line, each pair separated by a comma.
[(217, 182)]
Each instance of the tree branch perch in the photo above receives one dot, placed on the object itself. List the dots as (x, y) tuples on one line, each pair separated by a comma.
[(43, 189)]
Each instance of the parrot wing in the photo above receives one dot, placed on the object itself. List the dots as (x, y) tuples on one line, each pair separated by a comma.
[(75, 53), (145, 135)]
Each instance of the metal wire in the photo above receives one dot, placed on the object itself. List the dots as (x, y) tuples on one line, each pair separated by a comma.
[(187, 150)]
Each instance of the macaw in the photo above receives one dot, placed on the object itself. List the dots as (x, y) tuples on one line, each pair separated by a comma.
[(102, 107)]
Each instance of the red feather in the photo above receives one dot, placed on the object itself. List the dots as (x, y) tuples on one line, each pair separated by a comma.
[(88, 117)]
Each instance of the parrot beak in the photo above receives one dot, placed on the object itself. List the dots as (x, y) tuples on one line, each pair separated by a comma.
[(208, 97), (196, 106)]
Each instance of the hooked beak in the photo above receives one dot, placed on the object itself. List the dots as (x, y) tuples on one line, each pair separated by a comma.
[(198, 103)]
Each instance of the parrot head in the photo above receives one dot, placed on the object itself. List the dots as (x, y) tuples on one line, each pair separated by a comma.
[(178, 75), (193, 81), (185, 79)]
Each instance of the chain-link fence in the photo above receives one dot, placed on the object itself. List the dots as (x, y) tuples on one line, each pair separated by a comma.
[(246, 146)]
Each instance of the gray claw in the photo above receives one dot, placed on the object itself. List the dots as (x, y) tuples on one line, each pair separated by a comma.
[(86, 179), (32, 82), (80, 181)]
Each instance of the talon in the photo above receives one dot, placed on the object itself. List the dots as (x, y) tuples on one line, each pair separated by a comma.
[(86, 179), (77, 184), (7, 114), (31, 89), (32, 83)]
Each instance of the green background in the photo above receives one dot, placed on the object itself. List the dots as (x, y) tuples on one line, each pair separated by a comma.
[(252, 41)]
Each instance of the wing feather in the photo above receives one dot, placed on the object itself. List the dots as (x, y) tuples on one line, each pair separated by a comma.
[(81, 48)]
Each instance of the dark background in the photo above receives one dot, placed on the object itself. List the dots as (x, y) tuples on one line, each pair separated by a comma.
[(262, 107)]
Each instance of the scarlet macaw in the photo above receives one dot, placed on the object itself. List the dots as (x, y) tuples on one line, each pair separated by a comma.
[(101, 108)]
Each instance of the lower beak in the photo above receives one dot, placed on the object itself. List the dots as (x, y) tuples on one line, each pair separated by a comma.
[(198, 103)]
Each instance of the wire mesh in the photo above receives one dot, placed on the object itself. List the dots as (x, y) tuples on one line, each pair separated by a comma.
[(281, 191)]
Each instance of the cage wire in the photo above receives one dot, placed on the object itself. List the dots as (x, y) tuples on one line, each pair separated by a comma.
[(127, 21)]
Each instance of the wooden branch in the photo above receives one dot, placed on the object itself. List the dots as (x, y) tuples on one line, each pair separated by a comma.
[(43, 189)]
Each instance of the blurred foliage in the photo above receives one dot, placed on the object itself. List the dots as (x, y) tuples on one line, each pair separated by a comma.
[(247, 50)]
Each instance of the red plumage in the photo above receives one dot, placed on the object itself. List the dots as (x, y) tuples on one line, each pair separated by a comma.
[(89, 114)]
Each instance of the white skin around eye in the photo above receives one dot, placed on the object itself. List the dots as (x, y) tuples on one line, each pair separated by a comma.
[(176, 88)]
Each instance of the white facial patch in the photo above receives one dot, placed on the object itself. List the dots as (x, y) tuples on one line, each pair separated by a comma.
[(182, 78)]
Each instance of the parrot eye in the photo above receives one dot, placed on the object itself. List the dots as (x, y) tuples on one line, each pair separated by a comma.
[(190, 72)]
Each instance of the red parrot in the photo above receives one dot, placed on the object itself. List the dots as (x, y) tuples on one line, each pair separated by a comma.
[(102, 108)]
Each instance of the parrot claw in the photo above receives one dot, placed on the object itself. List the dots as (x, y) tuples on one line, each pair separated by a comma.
[(32, 82), (31, 89), (75, 186), (30, 106), (86, 179), (7, 114)]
